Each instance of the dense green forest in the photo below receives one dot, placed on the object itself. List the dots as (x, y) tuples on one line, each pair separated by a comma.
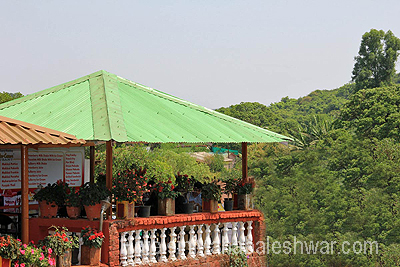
[(339, 180)]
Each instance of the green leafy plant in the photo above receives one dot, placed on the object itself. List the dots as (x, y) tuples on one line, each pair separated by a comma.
[(60, 242), (237, 258), (9, 247), (245, 188), (166, 190), (231, 179), (185, 184), (130, 185), (91, 237), (72, 197), (52, 193), (211, 191), (93, 193)]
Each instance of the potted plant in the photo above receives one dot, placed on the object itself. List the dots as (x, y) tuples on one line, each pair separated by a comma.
[(92, 242), (166, 197), (50, 198), (128, 188), (231, 179), (9, 250), (185, 185), (91, 195), (73, 202), (245, 198), (61, 245), (211, 194)]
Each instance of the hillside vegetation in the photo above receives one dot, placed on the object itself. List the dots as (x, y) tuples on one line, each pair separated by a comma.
[(340, 178)]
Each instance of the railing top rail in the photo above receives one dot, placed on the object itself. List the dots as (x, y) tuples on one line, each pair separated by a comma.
[(156, 222)]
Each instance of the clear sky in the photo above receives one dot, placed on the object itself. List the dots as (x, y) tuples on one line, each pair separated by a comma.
[(212, 53)]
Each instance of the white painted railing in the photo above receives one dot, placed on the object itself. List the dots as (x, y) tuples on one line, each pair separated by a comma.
[(181, 242)]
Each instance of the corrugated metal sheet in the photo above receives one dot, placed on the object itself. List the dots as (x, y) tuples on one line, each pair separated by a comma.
[(103, 106), (14, 132)]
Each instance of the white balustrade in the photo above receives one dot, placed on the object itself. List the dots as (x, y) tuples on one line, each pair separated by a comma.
[(249, 237), (163, 246), (138, 248), (216, 242), (122, 251), (145, 259), (192, 242), (182, 244), (207, 241), (242, 238), (200, 247), (131, 251), (153, 248), (150, 246), (172, 245), (234, 239), (225, 238)]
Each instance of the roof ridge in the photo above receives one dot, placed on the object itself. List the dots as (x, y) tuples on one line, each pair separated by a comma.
[(50, 90)]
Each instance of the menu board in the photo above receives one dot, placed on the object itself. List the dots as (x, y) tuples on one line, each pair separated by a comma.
[(45, 165)]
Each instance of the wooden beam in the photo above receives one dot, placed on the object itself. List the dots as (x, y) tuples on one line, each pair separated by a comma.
[(92, 159), (24, 195), (109, 165), (244, 162)]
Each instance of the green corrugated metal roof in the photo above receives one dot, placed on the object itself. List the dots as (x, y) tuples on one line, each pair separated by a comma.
[(103, 106)]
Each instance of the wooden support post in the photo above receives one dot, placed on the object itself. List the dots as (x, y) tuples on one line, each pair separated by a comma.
[(24, 195), (109, 165), (244, 162), (92, 160)]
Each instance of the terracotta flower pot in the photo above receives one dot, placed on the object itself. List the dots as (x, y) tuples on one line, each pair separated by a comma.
[(125, 210), (5, 262), (166, 206), (48, 210), (93, 212), (73, 212), (90, 255)]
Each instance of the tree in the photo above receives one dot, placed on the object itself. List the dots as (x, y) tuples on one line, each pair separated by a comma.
[(374, 113), (4, 97), (376, 60)]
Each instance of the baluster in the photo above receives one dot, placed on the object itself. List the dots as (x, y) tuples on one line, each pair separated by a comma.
[(200, 247), (216, 241), (207, 241), (138, 249), (192, 242), (242, 238), (145, 247), (131, 251), (249, 237), (234, 240), (163, 246), (122, 251), (225, 238), (182, 244), (153, 246), (172, 245)]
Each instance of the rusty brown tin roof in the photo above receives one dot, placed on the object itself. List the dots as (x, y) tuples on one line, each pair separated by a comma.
[(13, 132)]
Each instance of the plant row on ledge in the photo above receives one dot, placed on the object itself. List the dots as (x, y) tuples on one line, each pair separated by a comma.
[(52, 250), (180, 194)]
